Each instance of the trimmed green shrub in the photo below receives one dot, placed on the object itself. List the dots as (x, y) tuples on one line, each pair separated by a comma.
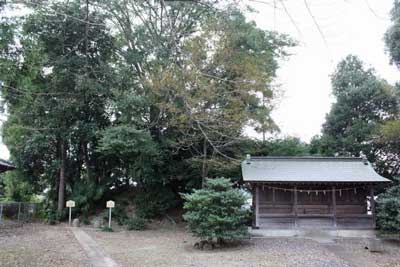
[(136, 223), (216, 212), (388, 209)]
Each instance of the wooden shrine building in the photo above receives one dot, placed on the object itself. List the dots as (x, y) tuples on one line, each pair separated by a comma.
[(312, 192), (6, 166)]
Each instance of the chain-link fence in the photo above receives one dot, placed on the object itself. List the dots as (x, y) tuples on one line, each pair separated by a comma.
[(14, 214)]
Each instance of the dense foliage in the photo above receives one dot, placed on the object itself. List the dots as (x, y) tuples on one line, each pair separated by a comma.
[(136, 223), (99, 103), (363, 103), (388, 209), (216, 212), (392, 36)]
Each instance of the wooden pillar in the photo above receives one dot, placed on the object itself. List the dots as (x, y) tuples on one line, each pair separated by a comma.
[(257, 209), (334, 206), (372, 203), (273, 196), (253, 201), (295, 206)]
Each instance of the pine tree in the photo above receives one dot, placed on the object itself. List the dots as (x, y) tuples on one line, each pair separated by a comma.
[(216, 212)]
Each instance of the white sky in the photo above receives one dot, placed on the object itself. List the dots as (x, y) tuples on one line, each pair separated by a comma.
[(349, 26)]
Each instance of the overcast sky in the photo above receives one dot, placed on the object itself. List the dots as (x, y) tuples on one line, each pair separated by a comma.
[(348, 26)]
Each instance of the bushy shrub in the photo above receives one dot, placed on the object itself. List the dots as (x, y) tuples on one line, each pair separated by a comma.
[(119, 214), (107, 229), (388, 209), (86, 194), (85, 220), (51, 216), (155, 202), (216, 212), (136, 223), (15, 188)]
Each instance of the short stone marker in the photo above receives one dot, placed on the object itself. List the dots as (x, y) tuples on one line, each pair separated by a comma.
[(70, 204), (110, 204), (75, 222)]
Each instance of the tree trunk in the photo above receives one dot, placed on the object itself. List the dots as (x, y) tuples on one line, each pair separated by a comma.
[(61, 185), (204, 168), (154, 122), (86, 160)]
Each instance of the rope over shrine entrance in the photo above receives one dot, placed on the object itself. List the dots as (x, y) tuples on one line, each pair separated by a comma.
[(323, 191)]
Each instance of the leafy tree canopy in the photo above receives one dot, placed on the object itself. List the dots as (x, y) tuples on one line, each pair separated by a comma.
[(363, 102), (108, 96)]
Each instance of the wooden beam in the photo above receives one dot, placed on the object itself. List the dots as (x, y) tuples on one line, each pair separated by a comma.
[(257, 223), (273, 195), (253, 190), (295, 206), (372, 203), (334, 206)]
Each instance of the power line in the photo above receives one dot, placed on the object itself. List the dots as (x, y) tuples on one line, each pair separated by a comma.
[(316, 23), (265, 3), (373, 11), (290, 17)]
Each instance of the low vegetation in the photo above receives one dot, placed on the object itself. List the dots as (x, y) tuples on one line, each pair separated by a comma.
[(136, 223), (216, 213), (388, 209)]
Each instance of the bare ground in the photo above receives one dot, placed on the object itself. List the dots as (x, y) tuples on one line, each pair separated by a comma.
[(41, 245), (174, 247)]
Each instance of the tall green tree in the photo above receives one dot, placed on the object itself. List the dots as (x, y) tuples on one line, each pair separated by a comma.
[(57, 97), (106, 96), (363, 102), (201, 73), (392, 35), (389, 132)]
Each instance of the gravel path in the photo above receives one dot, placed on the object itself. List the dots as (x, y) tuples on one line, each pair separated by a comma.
[(96, 255), (173, 247), (40, 245)]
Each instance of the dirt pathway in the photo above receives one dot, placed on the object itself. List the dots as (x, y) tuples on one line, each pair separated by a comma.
[(96, 255)]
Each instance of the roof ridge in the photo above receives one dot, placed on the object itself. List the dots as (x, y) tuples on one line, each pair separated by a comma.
[(305, 157)]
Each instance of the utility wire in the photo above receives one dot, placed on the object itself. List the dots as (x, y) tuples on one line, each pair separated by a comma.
[(265, 3), (316, 23), (373, 11), (291, 18)]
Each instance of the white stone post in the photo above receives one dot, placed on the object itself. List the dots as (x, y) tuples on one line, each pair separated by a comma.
[(70, 204), (110, 204)]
